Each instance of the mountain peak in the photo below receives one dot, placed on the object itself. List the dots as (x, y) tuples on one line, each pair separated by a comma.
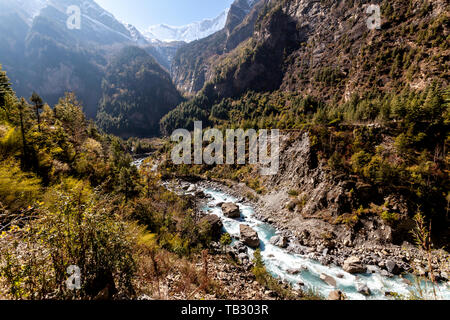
[(187, 33), (201, 29)]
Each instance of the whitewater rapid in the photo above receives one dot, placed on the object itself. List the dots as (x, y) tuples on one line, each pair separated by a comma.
[(278, 261)]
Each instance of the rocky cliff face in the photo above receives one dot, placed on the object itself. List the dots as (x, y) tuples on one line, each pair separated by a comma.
[(323, 48), (193, 61), (307, 197)]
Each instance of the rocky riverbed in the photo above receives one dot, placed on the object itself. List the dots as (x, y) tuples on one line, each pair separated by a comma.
[(231, 281), (393, 259), (341, 259)]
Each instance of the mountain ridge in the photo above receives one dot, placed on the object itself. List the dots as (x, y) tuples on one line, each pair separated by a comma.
[(191, 63), (187, 33), (136, 93), (307, 46), (41, 54)]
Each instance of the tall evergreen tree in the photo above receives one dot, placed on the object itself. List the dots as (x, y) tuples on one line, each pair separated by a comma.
[(128, 182), (38, 105), (5, 88)]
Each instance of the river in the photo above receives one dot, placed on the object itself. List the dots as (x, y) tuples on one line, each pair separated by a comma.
[(278, 261)]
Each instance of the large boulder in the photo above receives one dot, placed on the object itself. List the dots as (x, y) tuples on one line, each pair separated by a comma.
[(249, 236), (231, 210), (353, 265), (279, 241), (392, 267), (215, 224), (328, 279), (336, 295), (363, 289)]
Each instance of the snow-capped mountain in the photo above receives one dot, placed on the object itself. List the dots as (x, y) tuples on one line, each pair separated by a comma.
[(136, 35), (26, 9), (201, 29), (187, 33), (42, 54), (98, 25)]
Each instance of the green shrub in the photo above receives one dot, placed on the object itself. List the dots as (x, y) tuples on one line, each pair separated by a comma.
[(17, 188), (390, 217), (225, 240), (360, 160), (74, 229), (336, 162)]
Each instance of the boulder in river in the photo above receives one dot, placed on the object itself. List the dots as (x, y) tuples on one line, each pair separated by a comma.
[(231, 210), (363, 289), (373, 269), (249, 236), (200, 194), (294, 271), (328, 279), (353, 265), (392, 267), (279, 241)]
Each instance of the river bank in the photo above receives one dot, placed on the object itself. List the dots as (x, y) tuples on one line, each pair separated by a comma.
[(315, 265)]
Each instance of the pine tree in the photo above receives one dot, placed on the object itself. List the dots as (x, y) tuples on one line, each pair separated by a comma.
[(433, 105), (128, 186), (70, 112), (5, 88), (38, 105)]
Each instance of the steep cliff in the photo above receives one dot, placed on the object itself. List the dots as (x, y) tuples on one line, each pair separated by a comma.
[(321, 48), (325, 49), (192, 61)]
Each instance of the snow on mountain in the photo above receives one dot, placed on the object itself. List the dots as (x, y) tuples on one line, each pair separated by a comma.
[(29, 9), (26, 9), (187, 33), (136, 36), (98, 25)]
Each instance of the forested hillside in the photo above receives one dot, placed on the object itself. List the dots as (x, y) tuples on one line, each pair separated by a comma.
[(374, 102), (69, 195), (137, 93)]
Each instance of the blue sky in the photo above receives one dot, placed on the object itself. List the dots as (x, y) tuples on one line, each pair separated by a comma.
[(143, 13)]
